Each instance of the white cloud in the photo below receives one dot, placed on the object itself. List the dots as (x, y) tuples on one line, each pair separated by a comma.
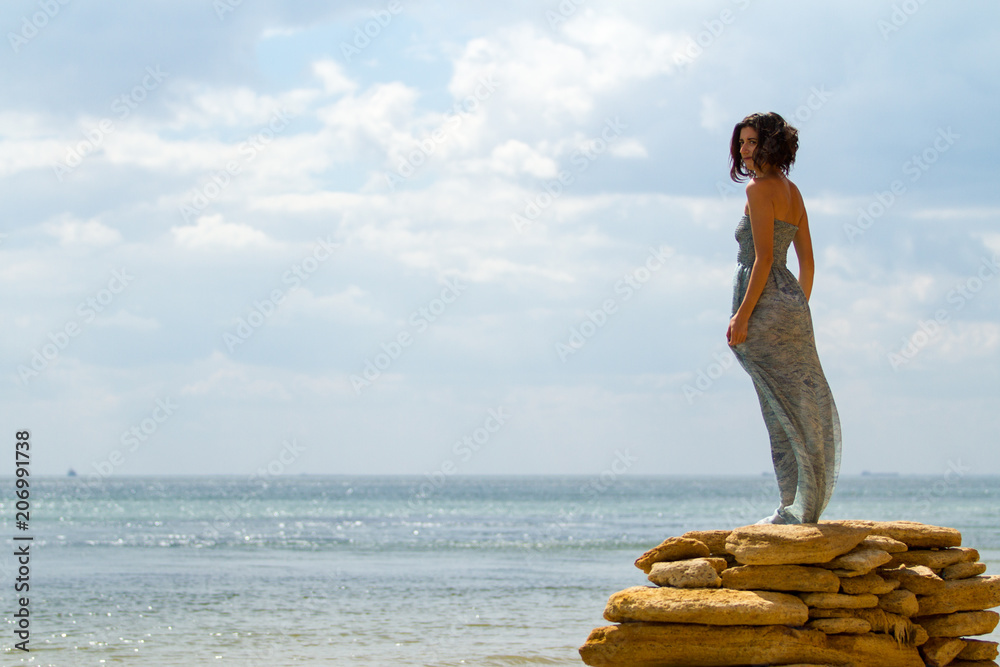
[(82, 233), (211, 232), (333, 78), (628, 148)]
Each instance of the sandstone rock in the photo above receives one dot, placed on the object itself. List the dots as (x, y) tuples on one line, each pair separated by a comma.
[(874, 650), (717, 562), (781, 578), (914, 535), (940, 651), (798, 544), (963, 570), (848, 574), (935, 560), (695, 573), (816, 612), (868, 583), (839, 600), (903, 629), (715, 540), (836, 626), (672, 548), (960, 624), (977, 649), (972, 663), (860, 559), (884, 543), (683, 645), (901, 602), (919, 579), (963, 595), (706, 606)]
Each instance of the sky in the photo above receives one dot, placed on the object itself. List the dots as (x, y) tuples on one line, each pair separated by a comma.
[(405, 237)]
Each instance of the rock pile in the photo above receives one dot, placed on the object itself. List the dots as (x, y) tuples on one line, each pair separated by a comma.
[(844, 593)]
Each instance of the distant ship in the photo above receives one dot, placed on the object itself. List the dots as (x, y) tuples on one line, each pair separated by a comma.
[(71, 473)]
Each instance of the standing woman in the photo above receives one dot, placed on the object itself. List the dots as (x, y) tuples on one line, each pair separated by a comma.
[(771, 330)]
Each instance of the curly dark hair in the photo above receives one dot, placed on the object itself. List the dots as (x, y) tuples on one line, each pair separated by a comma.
[(777, 142)]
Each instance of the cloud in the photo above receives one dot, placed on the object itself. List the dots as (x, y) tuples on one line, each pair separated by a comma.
[(211, 232), (82, 233)]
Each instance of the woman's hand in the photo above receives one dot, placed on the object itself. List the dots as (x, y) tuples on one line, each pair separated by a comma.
[(737, 331)]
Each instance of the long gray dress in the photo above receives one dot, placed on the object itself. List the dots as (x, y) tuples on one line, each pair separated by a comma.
[(780, 356)]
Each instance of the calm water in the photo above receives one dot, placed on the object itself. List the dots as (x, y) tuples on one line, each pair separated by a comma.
[(384, 570)]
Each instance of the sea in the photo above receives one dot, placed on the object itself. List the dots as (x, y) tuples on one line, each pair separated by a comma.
[(335, 570)]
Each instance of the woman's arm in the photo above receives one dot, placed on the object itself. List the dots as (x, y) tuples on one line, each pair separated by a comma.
[(804, 251), (762, 224)]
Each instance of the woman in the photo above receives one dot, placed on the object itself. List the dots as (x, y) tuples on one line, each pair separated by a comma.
[(771, 330)]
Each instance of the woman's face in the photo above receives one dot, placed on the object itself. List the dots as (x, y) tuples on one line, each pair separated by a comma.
[(748, 144)]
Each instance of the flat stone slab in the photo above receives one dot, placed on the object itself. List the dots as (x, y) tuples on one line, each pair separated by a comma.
[(963, 571), (911, 533), (710, 606), (959, 624), (859, 559), (963, 595), (920, 579), (683, 645), (799, 578), (798, 544), (884, 543), (977, 649), (671, 549), (868, 583), (693, 573), (935, 559)]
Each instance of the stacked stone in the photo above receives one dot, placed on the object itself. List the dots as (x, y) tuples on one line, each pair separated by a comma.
[(844, 593)]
